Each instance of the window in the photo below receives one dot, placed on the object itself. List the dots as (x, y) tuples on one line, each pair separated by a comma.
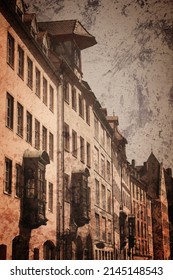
[(96, 128), (74, 103), (108, 142), (67, 194), (77, 57), (44, 91), (41, 184), (87, 113), (109, 231), (102, 165), (49, 250), (37, 82), (51, 98), (96, 159), (81, 106), (10, 111), (109, 201), (97, 220), (10, 50), (29, 127), (66, 137), (50, 197), (19, 119), (66, 91), (102, 132), (51, 145), (74, 143), (103, 197), (37, 134), (82, 150), (20, 62), (30, 73), (44, 139), (88, 148), (8, 175), (97, 192), (108, 171), (103, 228), (18, 180)]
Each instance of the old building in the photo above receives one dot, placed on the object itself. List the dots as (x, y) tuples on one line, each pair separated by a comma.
[(67, 190), (141, 209), (28, 153), (153, 176)]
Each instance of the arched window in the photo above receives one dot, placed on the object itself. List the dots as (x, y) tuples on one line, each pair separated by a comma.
[(20, 248), (49, 250), (3, 251)]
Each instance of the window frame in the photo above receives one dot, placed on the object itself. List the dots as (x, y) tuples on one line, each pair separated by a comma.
[(10, 50), (9, 111), (20, 119), (8, 176)]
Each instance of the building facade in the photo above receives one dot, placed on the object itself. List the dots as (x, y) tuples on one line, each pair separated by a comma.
[(67, 190)]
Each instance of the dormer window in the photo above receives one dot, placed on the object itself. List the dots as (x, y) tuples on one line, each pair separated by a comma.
[(20, 9), (77, 60)]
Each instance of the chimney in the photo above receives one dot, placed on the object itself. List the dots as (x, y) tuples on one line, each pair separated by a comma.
[(133, 163)]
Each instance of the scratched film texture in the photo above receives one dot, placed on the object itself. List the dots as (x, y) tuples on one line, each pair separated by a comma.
[(130, 70)]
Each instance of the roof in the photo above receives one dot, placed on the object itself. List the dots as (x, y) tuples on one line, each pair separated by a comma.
[(71, 29)]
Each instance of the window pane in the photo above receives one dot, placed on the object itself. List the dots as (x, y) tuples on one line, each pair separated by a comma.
[(20, 62), (44, 91), (10, 50), (8, 175), (19, 119), (29, 128), (10, 111)]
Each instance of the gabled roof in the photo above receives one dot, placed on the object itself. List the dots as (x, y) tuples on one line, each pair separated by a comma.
[(69, 29)]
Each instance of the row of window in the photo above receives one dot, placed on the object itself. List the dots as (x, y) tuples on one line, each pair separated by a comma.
[(19, 182), (29, 127), (101, 165), (138, 193), (76, 99), (103, 228), (37, 81), (103, 255), (79, 147), (101, 135), (102, 197)]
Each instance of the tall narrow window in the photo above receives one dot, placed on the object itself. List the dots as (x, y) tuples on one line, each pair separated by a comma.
[(44, 91), (50, 197), (97, 220), (66, 137), (18, 180), (103, 197), (20, 62), (28, 127), (10, 50), (96, 128), (88, 148), (74, 103), (102, 135), (30, 73), (108, 171), (81, 106), (97, 192), (19, 119), (103, 228), (67, 193), (37, 82), (74, 143), (10, 111), (51, 145), (109, 201), (82, 150), (87, 113), (8, 175), (103, 166), (96, 159), (44, 139), (37, 134), (51, 98), (66, 91)]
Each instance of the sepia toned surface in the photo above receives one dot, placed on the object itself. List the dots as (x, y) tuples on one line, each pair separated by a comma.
[(130, 69), (67, 188)]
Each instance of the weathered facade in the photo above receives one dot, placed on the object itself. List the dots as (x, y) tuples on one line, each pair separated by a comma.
[(67, 190)]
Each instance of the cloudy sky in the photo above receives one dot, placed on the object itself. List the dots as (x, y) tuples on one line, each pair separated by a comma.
[(130, 70)]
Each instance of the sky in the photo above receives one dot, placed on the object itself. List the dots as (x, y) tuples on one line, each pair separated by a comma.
[(130, 70)]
